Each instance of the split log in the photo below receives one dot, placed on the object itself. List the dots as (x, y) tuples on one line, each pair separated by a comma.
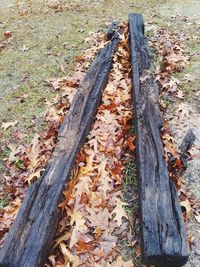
[(186, 144), (30, 238), (163, 235), (111, 30)]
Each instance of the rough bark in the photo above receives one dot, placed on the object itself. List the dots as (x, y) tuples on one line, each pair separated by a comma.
[(30, 237), (111, 30), (163, 236), (186, 144)]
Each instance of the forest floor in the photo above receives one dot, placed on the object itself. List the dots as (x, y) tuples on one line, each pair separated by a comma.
[(40, 40)]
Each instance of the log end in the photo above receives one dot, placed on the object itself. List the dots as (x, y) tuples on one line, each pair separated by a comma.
[(111, 30), (167, 260)]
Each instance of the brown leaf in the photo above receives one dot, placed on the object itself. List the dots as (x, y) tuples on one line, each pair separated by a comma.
[(82, 246), (186, 205), (8, 34), (119, 211), (82, 186), (33, 176), (130, 141), (75, 260), (99, 218)]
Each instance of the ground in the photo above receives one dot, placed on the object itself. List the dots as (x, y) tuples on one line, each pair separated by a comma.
[(48, 36)]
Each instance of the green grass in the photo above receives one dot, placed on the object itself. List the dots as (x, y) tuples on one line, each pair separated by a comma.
[(130, 189), (53, 39), (129, 179), (3, 203)]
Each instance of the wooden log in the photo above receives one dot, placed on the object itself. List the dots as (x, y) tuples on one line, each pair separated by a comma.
[(111, 30), (30, 238), (163, 236), (186, 144)]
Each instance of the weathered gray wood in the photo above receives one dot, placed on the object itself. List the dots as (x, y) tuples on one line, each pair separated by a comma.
[(163, 235), (30, 238), (186, 144), (111, 30)]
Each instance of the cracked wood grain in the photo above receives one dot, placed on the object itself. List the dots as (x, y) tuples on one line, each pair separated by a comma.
[(163, 236)]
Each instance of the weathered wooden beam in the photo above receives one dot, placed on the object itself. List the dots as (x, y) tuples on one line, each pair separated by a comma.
[(30, 237), (186, 144), (163, 235), (111, 30)]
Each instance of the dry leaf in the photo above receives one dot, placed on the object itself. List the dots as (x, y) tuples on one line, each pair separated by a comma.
[(186, 204), (74, 260), (7, 125), (119, 211), (99, 219), (8, 34)]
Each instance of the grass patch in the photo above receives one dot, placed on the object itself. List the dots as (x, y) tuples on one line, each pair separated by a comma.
[(129, 179), (130, 195), (3, 203)]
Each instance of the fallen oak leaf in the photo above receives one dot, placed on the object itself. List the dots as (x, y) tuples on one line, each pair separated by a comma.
[(82, 185), (83, 246), (59, 240), (180, 94), (117, 169), (75, 260), (107, 243), (62, 205), (130, 141), (7, 125), (75, 236), (78, 221), (108, 117), (15, 151), (14, 206), (109, 106), (34, 152), (119, 211), (7, 34), (169, 148), (33, 176), (79, 58), (178, 165), (99, 219), (186, 205)]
